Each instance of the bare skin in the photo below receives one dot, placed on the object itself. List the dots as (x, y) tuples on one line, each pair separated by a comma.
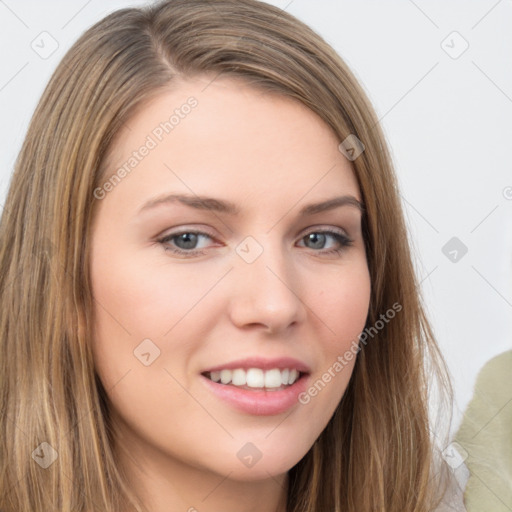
[(270, 156)]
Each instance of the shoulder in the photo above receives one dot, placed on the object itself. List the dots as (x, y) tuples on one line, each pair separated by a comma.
[(485, 434)]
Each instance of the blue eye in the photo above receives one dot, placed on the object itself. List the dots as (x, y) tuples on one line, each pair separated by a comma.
[(320, 237), (185, 243)]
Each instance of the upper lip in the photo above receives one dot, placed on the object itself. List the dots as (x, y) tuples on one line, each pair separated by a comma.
[(265, 364)]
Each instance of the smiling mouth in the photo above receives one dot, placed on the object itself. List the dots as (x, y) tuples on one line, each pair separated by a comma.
[(255, 378)]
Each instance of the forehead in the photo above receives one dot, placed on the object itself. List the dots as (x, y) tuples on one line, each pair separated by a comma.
[(225, 137)]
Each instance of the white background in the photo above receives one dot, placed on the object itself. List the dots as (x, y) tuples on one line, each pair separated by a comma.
[(447, 121)]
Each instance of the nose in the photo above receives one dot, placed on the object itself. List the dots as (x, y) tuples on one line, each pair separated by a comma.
[(266, 292)]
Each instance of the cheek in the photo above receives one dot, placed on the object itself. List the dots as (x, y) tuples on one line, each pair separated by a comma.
[(139, 297), (134, 308), (343, 305), (137, 300)]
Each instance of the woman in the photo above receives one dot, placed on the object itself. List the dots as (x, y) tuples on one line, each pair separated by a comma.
[(208, 301)]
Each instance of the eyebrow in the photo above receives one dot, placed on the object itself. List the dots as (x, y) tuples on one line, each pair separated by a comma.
[(229, 208)]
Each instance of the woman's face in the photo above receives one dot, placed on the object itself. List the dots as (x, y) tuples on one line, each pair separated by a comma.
[(238, 272)]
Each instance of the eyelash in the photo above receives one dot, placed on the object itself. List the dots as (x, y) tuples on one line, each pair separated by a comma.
[(342, 239)]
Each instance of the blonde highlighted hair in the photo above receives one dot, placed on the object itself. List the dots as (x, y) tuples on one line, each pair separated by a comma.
[(377, 451)]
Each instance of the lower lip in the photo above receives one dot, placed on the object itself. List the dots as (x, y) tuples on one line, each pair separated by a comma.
[(259, 402)]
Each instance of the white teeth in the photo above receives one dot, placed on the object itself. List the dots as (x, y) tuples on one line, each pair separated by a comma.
[(256, 377), (239, 378), (273, 378), (293, 376), (225, 376)]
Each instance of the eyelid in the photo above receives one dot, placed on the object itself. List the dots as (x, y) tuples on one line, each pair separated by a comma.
[(187, 229), (205, 231), (323, 227)]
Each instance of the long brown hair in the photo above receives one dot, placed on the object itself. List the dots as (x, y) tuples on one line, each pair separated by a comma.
[(377, 452)]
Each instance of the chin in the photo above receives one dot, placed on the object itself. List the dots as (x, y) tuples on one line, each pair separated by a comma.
[(269, 465)]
